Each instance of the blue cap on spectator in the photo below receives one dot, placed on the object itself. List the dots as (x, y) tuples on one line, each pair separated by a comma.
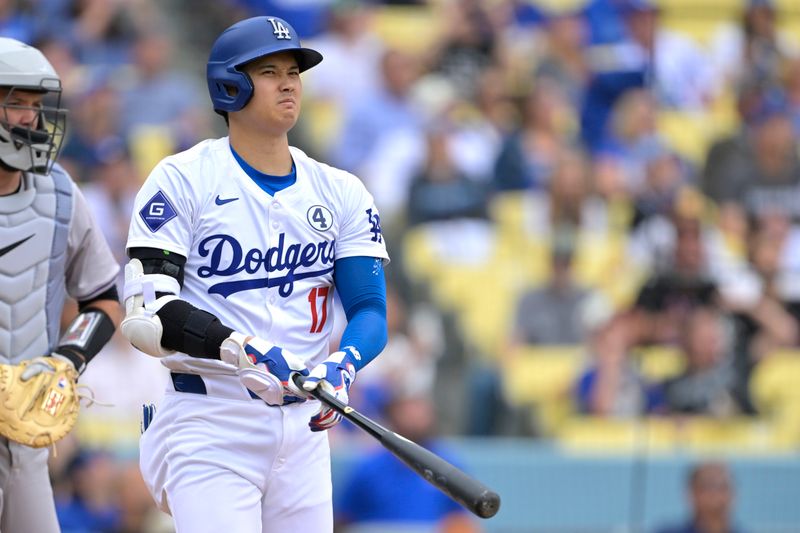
[(760, 3), (82, 458), (637, 6), (110, 150), (770, 104)]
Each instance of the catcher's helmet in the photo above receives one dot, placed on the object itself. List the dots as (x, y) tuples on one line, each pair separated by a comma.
[(249, 39), (34, 147)]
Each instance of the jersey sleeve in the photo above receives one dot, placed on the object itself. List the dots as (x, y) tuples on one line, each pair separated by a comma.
[(360, 233), (91, 267), (163, 212)]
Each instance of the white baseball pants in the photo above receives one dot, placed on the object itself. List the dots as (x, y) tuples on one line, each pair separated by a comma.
[(237, 465)]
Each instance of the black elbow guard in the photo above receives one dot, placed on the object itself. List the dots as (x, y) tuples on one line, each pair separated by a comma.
[(191, 330)]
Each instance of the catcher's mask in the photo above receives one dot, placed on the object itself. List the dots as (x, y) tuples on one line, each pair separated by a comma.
[(32, 121)]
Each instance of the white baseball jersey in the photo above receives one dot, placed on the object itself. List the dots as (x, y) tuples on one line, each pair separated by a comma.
[(262, 264)]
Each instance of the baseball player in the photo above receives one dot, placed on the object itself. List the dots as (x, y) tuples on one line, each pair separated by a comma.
[(50, 246), (236, 246)]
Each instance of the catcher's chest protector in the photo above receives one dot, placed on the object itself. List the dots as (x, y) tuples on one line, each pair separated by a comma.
[(34, 228)]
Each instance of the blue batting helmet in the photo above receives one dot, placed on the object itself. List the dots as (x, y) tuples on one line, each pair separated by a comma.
[(249, 39)]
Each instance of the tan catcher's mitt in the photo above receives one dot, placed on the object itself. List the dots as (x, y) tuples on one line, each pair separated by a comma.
[(40, 411)]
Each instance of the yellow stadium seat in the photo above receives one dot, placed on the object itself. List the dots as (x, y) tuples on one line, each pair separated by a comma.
[(688, 134), (701, 30), (420, 259), (541, 378), (324, 120), (486, 322), (149, 145), (539, 373), (789, 27), (774, 384), (507, 209), (607, 435), (668, 435), (601, 263), (107, 433), (559, 6), (788, 8), (718, 8), (481, 295), (411, 28), (702, 434), (657, 363)]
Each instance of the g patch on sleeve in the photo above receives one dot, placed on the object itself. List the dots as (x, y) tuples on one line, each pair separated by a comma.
[(157, 211)]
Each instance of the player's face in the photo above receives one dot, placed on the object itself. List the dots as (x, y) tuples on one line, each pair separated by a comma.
[(20, 108), (277, 90)]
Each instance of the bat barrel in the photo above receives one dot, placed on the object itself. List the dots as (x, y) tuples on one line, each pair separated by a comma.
[(459, 486)]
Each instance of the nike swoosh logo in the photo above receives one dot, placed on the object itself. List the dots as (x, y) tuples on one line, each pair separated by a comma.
[(220, 201), (4, 251)]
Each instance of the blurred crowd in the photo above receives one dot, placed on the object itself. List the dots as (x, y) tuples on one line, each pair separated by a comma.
[(473, 112)]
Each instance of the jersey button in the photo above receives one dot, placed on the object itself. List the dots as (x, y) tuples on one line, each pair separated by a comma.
[(272, 299), (276, 205), (276, 225)]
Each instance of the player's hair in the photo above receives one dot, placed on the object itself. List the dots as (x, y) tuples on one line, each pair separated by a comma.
[(23, 68), (229, 86)]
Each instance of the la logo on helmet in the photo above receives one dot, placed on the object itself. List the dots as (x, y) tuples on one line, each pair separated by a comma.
[(280, 31)]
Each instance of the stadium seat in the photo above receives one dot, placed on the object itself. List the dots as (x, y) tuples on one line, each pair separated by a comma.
[(534, 374), (541, 379), (607, 435), (558, 6), (739, 435), (507, 210), (410, 28), (659, 362), (668, 435), (149, 145), (323, 119), (485, 324), (696, 8), (688, 134), (789, 27), (481, 294), (774, 383), (107, 433), (420, 259), (702, 30)]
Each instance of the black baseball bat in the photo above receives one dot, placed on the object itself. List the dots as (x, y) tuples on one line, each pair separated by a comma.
[(459, 486)]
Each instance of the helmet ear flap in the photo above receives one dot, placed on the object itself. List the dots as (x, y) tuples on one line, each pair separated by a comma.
[(230, 89)]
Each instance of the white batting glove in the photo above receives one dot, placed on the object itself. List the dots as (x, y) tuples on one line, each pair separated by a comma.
[(334, 375), (264, 368)]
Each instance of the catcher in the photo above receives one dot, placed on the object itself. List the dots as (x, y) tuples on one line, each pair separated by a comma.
[(50, 246)]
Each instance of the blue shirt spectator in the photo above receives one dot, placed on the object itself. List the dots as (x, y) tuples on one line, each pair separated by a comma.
[(89, 507), (381, 114), (383, 489), (15, 24), (384, 494)]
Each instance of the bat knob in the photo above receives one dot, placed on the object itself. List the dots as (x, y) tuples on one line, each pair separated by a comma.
[(298, 379), (488, 504)]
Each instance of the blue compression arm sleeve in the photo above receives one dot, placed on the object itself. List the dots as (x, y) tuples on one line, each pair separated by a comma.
[(362, 291)]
